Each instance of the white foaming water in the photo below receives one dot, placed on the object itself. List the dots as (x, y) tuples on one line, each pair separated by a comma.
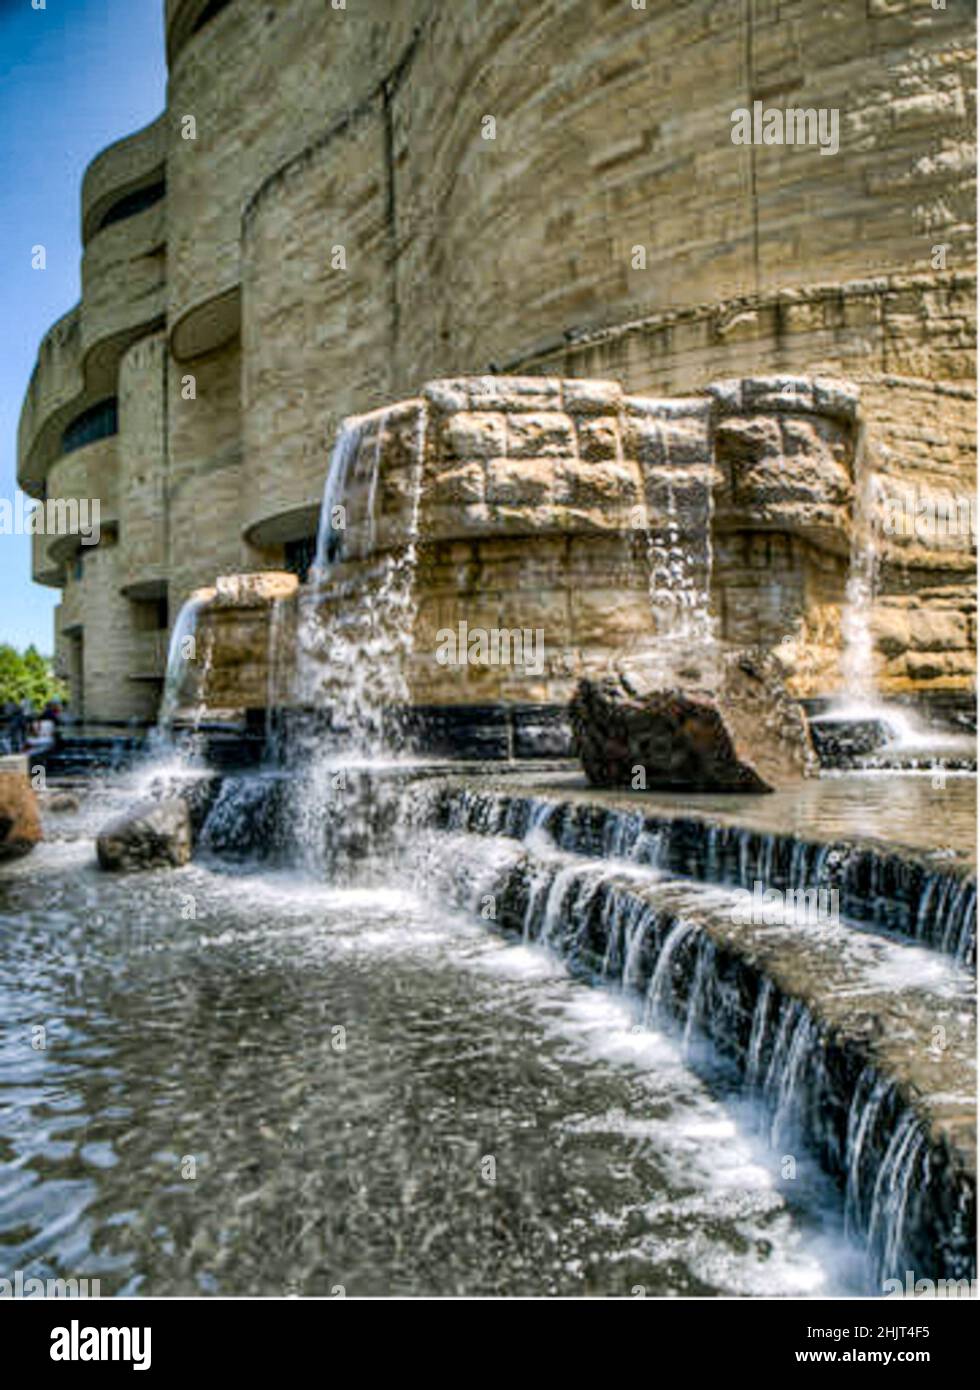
[(907, 732), (858, 698), (857, 657), (353, 660), (707, 1152), (680, 569), (355, 633), (183, 657)]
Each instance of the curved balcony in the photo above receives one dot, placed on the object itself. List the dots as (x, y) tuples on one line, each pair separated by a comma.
[(133, 163), (123, 282), (87, 474), (123, 274), (185, 18), (71, 610), (56, 386), (44, 570)]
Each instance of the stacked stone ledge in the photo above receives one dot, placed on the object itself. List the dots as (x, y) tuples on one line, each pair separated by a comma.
[(532, 506)]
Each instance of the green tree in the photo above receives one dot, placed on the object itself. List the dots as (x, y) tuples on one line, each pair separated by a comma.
[(28, 676)]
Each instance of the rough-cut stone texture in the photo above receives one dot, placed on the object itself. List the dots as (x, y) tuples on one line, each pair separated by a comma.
[(716, 722), (569, 545), (20, 822), (234, 650), (151, 835), (363, 130)]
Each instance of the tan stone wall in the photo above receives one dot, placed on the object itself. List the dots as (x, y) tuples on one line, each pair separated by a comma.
[(363, 128), (235, 641), (142, 451), (124, 277), (541, 504), (909, 343), (280, 57), (204, 475), (85, 475), (316, 339), (110, 643)]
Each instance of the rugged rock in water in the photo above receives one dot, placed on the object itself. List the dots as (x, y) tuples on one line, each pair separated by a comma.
[(20, 822), (60, 802), (152, 835), (842, 743), (720, 723), (198, 794)]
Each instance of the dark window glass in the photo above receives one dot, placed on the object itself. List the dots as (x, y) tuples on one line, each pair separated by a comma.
[(163, 615), (78, 566), (134, 203), (300, 556), (98, 422), (214, 7)]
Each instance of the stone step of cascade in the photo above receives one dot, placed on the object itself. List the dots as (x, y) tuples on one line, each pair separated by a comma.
[(860, 1046), (888, 889)]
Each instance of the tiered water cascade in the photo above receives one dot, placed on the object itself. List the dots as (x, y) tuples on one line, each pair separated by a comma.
[(646, 904), (400, 968)]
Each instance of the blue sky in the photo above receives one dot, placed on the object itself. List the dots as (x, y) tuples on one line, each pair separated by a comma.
[(74, 77)]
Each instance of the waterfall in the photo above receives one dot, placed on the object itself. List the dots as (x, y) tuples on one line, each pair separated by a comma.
[(857, 656), (671, 951), (355, 634), (876, 889), (679, 572), (895, 1185), (183, 661), (333, 515), (179, 654)]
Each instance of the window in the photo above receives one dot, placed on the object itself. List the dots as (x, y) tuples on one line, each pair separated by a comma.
[(98, 422), (299, 556), (133, 203), (210, 11), (162, 614), (78, 567)]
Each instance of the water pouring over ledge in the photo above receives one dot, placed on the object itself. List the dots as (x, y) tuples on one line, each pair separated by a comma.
[(185, 684), (373, 932), (898, 731)]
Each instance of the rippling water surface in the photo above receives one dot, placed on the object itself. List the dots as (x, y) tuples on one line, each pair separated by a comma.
[(255, 1084)]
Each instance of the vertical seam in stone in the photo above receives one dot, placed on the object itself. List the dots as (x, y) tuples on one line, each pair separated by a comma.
[(754, 197)]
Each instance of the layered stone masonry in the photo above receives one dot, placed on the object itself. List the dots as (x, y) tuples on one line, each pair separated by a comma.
[(547, 506), (520, 254)]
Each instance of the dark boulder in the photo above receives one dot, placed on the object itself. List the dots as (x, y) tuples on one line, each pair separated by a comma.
[(722, 723)]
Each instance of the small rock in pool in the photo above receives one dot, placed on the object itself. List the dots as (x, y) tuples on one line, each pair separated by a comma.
[(152, 835)]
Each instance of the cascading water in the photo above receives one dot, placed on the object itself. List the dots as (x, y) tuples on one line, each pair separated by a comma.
[(858, 698), (355, 635), (858, 689), (680, 566), (658, 940), (333, 512), (186, 675)]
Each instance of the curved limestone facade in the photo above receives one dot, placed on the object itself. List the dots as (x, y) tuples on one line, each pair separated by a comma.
[(341, 204)]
